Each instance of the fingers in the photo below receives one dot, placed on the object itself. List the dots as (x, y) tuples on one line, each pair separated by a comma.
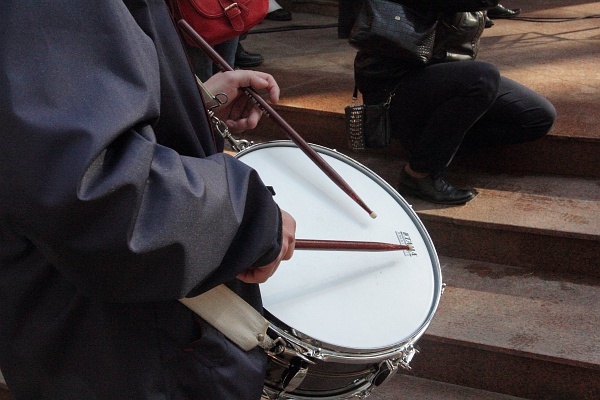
[(240, 112), (231, 81), (264, 81), (262, 274), (289, 234), (244, 115)]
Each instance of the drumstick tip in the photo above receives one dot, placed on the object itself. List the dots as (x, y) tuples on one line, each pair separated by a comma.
[(373, 214)]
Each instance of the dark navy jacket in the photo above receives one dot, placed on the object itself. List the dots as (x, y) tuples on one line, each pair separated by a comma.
[(114, 203)]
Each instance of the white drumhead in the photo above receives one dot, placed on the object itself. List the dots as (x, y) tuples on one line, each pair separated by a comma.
[(349, 299)]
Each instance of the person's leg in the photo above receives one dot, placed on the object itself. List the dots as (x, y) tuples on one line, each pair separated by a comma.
[(518, 115), (227, 51), (432, 110), (434, 107), (246, 59), (203, 66)]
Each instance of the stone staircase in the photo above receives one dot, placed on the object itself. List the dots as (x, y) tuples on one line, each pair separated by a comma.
[(520, 315)]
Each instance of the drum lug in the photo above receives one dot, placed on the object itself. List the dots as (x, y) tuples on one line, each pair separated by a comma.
[(385, 371), (295, 374), (297, 366), (407, 356), (283, 348)]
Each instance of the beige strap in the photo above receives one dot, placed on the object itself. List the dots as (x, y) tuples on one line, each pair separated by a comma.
[(231, 315)]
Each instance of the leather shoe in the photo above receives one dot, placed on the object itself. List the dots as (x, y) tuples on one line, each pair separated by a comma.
[(244, 59), (279, 15), (435, 188), (500, 11), (488, 22)]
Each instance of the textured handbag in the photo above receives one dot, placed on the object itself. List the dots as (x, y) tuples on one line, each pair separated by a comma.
[(395, 30), (355, 127), (220, 20), (368, 125), (378, 129), (457, 36)]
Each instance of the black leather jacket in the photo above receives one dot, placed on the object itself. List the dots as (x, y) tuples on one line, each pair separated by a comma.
[(457, 39)]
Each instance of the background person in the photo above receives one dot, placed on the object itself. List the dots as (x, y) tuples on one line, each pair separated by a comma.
[(451, 104)]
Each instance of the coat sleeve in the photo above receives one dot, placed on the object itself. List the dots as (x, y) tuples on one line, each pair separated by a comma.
[(84, 179)]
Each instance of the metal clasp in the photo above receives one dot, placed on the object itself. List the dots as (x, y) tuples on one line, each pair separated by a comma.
[(223, 129), (231, 6)]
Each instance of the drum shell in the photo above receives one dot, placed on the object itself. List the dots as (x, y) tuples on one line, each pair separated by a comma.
[(324, 379)]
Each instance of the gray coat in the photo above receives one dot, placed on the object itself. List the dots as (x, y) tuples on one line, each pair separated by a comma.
[(114, 203)]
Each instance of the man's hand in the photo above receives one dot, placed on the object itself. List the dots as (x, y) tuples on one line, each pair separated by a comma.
[(261, 274), (240, 112)]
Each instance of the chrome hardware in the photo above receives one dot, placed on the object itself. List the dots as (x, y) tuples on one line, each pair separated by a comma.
[(223, 129), (295, 374), (386, 370), (282, 349), (407, 357)]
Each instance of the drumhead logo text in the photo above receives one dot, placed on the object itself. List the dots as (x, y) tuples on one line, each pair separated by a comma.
[(404, 238)]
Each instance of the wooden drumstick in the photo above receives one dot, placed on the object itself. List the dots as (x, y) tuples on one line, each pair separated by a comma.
[(311, 244), (269, 111)]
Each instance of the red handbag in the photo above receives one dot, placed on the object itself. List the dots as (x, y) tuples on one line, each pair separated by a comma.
[(220, 20)]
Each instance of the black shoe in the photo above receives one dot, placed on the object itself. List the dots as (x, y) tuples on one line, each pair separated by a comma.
[(279, 15), (435, 188), (488, 22), (502, 12), (243, 59)]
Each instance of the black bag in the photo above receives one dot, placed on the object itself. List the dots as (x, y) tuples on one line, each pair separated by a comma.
[(457, 36), (395, 30), (368, 125)]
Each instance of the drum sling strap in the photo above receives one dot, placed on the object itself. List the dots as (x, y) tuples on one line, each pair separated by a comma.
[(231, 315)]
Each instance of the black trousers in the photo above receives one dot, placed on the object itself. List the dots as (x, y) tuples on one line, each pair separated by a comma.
[(442, 108)]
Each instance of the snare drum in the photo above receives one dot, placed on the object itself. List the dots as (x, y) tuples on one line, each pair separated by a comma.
[(349, 319)]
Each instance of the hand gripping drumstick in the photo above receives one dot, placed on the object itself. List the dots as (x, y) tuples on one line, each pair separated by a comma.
[(311, 244), (290, 132)]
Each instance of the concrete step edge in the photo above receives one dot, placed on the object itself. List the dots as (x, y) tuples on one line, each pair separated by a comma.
[(339, 115), (550, 317), (555, 154)]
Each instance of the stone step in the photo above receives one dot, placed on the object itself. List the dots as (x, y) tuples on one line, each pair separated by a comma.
[(411, 387), (543, 222), (514, 331), (415, 388)]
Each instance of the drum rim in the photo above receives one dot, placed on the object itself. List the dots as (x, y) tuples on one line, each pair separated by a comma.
[(329, 351)]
